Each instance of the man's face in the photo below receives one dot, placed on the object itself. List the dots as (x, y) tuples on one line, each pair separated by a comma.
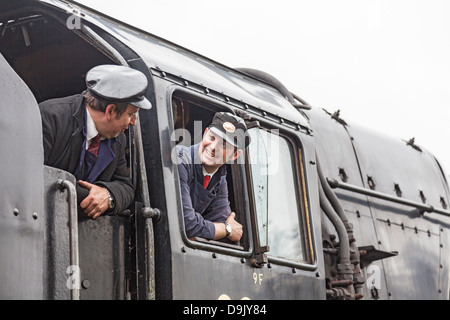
[(115, 125), (214, 151)]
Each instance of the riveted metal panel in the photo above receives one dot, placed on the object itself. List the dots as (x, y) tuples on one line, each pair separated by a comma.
[(415, 272), (405, 171), (398, 169), (103, 257), (21, 190)]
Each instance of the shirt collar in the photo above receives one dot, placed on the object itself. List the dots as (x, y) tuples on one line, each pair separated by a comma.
[(91, 130), (208, 174)]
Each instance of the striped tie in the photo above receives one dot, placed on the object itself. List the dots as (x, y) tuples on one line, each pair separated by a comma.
[(95, 143)]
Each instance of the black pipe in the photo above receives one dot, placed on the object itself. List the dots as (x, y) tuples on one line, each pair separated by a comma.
[(421, 206), (344, 247)]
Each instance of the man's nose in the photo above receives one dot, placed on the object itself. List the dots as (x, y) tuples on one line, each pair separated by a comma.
[(213, 145), (133, 120)]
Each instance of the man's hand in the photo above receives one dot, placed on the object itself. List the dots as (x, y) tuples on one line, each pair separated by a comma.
[(236, 228), (96, 203)]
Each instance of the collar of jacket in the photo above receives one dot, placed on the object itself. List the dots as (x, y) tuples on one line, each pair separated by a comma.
[(79, 112), (79, 133)]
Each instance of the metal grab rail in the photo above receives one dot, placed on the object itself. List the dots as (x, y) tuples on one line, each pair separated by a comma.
[(421, 206), (73, 235)]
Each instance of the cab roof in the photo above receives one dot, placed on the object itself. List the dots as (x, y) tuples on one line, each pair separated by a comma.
[(166, 58)]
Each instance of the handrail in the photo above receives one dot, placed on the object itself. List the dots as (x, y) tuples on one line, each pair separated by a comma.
[(421, 206), (73, 234), (147, 212)]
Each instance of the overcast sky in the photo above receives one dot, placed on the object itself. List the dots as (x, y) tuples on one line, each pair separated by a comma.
[(384, 64)]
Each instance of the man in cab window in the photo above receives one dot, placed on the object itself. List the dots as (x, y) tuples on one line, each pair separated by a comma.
[(202, 170), (84, 135)]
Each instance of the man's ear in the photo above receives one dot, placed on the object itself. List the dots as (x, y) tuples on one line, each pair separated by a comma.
[(110, 109), (237, 154)]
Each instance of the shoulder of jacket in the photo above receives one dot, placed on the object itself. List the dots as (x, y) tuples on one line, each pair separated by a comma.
[(59, 106), (183, 151), (122, 139)]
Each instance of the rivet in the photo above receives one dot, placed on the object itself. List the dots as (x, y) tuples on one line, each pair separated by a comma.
[(16, 212), (35, 216), (86, 283)]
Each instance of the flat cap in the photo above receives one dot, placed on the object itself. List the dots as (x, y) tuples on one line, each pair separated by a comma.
[(231, 128), (118, 83)]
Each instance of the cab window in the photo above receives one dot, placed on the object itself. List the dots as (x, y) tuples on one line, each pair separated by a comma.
[(191, 116)]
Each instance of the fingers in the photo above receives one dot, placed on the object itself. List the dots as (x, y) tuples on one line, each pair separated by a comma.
[(93, 209), (236, 228), (96, 203), (85, 184), (236, 232), (232, 216)]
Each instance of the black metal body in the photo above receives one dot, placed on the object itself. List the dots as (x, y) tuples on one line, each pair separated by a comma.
[(384, 249)]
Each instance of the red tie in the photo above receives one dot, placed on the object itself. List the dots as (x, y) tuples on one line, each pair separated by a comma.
[(206, 181), (95, 143)]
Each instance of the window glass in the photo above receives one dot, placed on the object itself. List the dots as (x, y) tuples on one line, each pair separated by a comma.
[(275, 193)]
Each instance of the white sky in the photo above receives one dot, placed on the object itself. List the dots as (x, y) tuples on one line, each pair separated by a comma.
[(385, 64)]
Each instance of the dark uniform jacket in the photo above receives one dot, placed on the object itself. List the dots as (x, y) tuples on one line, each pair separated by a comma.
[(63, 125), (201, 207)]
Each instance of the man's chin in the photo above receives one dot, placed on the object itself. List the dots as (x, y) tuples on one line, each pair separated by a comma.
[(207, 160)]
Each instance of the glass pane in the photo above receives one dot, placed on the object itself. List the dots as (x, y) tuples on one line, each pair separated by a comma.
[(260, 182), (273, 157)]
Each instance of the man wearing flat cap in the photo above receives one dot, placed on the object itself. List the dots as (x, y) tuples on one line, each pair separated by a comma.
[(84, 135), (202, 170)]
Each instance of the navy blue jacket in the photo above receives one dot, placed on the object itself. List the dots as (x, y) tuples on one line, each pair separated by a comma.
[(201, 207)]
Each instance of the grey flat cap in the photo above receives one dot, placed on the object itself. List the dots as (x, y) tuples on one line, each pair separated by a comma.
[(118, 83)]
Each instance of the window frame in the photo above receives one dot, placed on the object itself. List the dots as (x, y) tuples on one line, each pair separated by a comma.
[(262, 253), (238, 178)]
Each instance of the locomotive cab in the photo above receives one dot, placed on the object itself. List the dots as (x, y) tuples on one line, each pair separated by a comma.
[(47, 59)]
